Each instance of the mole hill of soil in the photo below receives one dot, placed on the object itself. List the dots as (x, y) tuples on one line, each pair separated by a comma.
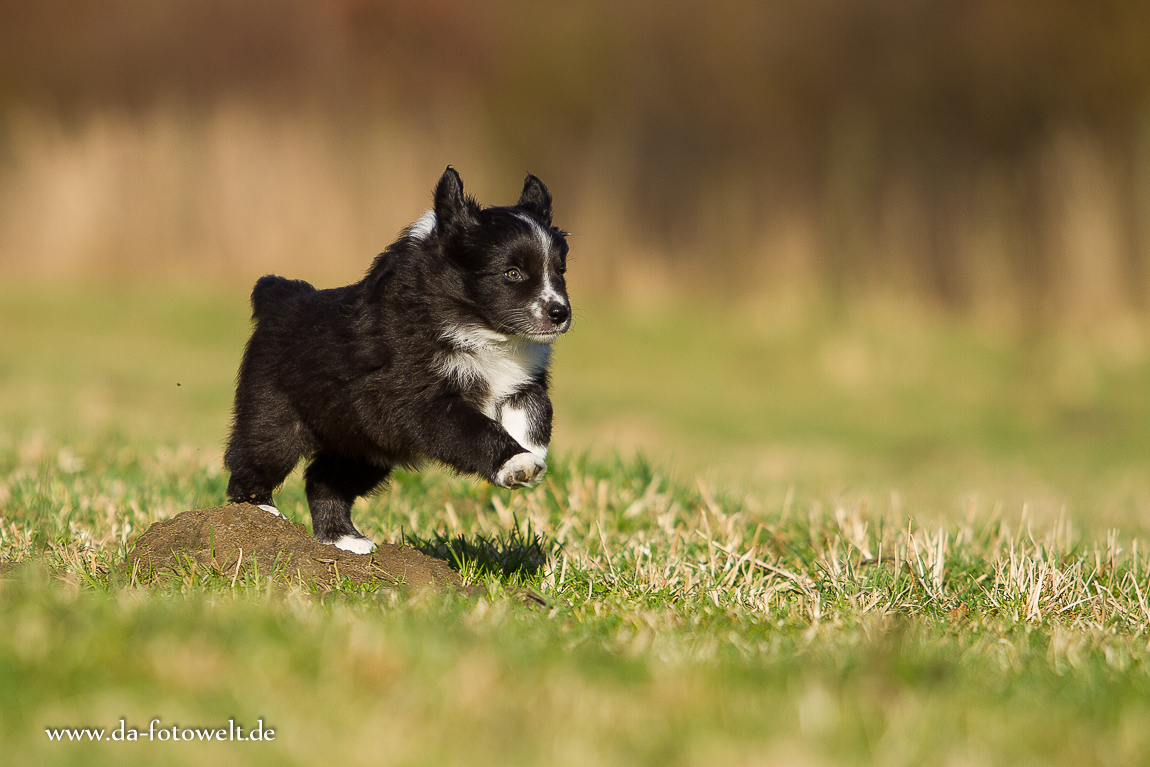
[(231, 539)]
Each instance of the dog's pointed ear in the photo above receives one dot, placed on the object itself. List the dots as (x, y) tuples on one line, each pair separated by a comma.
[(536, 199), (453, 209)]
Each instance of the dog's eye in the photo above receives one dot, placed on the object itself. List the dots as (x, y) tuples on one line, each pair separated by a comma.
[(514, 275)]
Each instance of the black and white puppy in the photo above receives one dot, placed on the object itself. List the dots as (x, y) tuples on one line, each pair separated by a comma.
[(440, 352)]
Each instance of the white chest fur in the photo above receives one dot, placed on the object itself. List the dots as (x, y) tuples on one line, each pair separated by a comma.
[(502, 364)]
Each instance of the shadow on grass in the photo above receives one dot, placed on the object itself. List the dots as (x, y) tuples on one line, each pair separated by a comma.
[(507, 555)]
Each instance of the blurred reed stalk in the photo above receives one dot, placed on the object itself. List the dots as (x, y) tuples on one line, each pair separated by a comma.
[(237, 191), (991, 159)]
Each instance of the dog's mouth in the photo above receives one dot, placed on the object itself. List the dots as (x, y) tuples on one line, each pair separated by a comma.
[(544, 338), (537, 330), (543, 335)]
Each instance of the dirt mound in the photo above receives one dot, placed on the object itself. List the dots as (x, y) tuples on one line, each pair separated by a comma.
[(232, 538)]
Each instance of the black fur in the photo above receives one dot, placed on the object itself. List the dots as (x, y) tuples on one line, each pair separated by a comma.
[(401, 365)]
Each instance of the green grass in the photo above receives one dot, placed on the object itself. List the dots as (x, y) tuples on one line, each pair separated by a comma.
[(932, 409), (871, 592)]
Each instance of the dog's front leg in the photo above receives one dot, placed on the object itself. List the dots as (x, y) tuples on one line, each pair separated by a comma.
[(521, 470), (455, 433), (526, 416)]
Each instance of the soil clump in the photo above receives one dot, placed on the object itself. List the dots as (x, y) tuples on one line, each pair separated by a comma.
[(235, 537)]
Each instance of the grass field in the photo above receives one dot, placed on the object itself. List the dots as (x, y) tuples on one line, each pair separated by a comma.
[(852, 540)]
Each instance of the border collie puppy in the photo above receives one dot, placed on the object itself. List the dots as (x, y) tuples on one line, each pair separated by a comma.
[(440, 352)]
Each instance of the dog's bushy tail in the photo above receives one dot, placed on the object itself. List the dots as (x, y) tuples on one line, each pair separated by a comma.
[(271, 290)]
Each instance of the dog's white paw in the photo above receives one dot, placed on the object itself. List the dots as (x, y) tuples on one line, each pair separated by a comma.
[(521, 470), (356, 544), (272, 510)]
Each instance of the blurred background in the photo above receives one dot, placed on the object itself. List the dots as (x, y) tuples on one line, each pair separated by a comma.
[(814, 224), (989, 158)]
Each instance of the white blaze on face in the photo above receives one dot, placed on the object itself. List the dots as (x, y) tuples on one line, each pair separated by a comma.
[(550, 294), (541, 234), (515, 422)]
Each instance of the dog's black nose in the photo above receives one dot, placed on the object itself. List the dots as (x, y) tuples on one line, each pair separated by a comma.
[(558, 313)]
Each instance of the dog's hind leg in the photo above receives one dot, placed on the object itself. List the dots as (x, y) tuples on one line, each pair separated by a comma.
[(265, 444), (333, 482), (258, 467)]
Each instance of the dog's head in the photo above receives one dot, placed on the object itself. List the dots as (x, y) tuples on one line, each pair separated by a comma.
[(512, 259)]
